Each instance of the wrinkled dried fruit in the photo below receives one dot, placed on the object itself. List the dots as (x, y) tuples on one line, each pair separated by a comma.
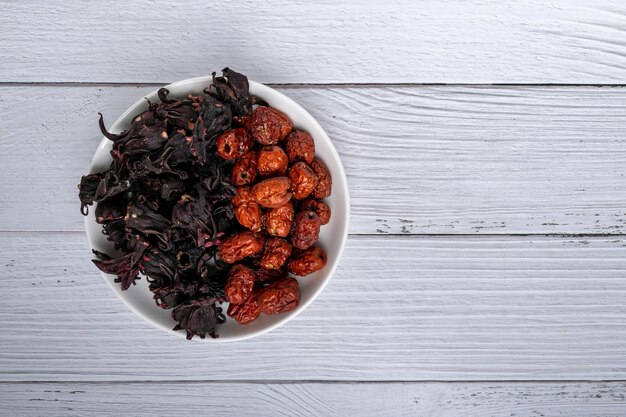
[(243, 195), (324, 180), (307, 262), (279, 297), (272, 160), (303, 180), (269, 126), (278, 221), (239, 284), (245, 312), (249, 216), (319, 207), (272, 192), (276, 253), (270, 275), (300, 147), (306, 230), (233, 143), (245, 169), (239, 246)]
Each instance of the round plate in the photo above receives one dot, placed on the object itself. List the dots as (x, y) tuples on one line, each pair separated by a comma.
[(332, 235)]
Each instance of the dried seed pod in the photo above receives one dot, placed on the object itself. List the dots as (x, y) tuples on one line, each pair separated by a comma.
[(324, 180), (239, 284), (245, 312), (306, 230), (303, 180), (276, 253), (300, 146), (272, 192), (307, 262), (269, 126), (272, 160), (319, 207), (239, 246), (279, 297), (245, 169), (278, 221), (233, 143)]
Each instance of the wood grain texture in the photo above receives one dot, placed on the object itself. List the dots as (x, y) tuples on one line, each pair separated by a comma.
[(398, 308), (420, 160), (281, 41), (592, 399)]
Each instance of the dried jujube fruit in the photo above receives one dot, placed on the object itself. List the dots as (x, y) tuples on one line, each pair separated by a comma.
[(279, 297), (233, 143), (249, 215), (240, 246), (324, 180), (239, 285), (306, 262), (278, 221), (277, 251), (272, 192), (306, 230), (245, 169), (272, 160), (300, 147), (319, 207), (246, 311), (303, 180), (269, 126)]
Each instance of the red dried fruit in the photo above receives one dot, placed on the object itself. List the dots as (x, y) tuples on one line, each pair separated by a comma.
[(303, 180), (245, 312), (270, 275), (306, 230), (239, 285), (269, 126), (278, 221), (276, 253), (279, 297), (319, 207), (243, 195), (272, 192), (272, 160), (300, 147), (245, 169), (324, 180), (239, 246), (249, 216), (233, 143), (307, 262)]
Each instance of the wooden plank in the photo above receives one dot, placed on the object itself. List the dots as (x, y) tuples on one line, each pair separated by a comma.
[(571, 399), (398, 308), (420, 160), (280, 41)]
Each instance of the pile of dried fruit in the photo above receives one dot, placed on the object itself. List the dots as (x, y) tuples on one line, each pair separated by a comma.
[(212, 198)]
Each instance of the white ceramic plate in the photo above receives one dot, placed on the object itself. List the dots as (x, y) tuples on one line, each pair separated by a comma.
[(332, 236)]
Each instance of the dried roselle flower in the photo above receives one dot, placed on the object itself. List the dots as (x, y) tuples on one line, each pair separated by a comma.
[(87, 190), (171, 189), (214, 118), (158, 265), (176, 113), (199, 317), (113, 208), (233, 88), (115, 232), (148, 223), (110, 186), (126, 267)]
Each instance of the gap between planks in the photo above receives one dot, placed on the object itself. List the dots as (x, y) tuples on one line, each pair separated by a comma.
[(316, 381), (313, 85)]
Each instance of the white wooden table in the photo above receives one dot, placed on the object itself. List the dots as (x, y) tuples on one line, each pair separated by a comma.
[(485, 145)]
